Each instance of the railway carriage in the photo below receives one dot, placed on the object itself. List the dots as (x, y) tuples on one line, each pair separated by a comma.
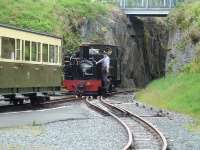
[(30, 64), (81, 74)]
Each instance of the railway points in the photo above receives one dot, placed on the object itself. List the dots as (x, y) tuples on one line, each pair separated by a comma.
[(141, 134)]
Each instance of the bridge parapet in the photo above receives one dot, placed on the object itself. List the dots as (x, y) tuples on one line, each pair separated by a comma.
[(145, 7)]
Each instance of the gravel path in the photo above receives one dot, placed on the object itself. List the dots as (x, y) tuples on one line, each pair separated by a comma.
[(173, 125), (88, 131)]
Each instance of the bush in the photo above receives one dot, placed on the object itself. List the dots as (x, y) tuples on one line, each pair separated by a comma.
[(186, 18)]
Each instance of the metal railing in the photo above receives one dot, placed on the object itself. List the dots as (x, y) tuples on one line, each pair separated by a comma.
[(126, 4)]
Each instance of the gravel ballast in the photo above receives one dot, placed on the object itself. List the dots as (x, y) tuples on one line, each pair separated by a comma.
[(79, 127), (172, 125), (86, 131)]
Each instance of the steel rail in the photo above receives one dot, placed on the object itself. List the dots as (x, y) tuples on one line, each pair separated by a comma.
[(28, 106), (61, 100), (162, 137), (130, 138), (50, 103)]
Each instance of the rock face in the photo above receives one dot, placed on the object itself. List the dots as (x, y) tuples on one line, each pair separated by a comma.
[(141, 42), (177, 58)]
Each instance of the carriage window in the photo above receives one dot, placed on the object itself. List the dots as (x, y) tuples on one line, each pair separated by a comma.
[(39, 52), (45, 52), (51, 54), (27, 50), (8, 48), (23, 54), (56, 54), (59, 54), (17, 48), (33, 51)]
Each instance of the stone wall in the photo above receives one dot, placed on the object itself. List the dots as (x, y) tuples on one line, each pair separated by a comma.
[(177, 58)]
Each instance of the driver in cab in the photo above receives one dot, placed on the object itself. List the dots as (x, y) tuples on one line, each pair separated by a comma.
[(105, 66)]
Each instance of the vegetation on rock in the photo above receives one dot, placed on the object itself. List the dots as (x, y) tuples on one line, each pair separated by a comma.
[(60, 17), (180, 92), (186, 18)]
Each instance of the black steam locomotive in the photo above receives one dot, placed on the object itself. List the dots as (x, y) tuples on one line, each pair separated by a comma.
[(81, 74)]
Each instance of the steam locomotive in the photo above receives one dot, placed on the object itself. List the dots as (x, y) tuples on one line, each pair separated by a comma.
[(81, 74)]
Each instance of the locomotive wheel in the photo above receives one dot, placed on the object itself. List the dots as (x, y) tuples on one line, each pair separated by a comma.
[(34, 101), (95, 96), (15, 102), (80, 89), (100, 91), (110, 84), (21, 102), (47, 98)]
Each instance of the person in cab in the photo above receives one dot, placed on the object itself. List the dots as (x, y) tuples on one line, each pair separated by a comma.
[(105, 67)]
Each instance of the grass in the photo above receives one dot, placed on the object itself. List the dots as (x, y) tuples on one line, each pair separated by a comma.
[(60, 17), (186, 18), (179, 93)]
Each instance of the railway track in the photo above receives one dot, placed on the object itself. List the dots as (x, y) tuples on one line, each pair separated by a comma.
[(60, 100), (47, 104), (141, 134)]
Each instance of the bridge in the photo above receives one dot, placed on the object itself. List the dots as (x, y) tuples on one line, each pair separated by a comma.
[(145, 7)]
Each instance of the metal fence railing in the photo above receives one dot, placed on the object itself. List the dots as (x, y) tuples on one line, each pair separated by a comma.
[(144, 3)]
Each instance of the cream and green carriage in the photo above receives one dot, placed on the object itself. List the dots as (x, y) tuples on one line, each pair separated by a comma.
[(30, 64)]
